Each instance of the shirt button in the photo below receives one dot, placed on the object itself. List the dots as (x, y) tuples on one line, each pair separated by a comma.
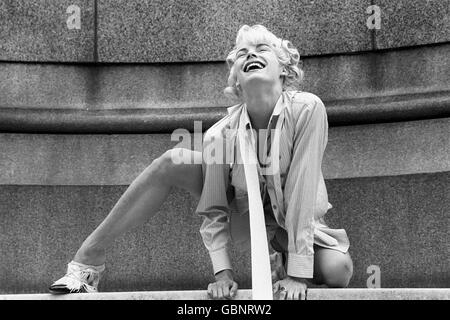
[(274, 207)]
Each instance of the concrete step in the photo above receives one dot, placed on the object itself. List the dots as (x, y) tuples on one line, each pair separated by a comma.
[(133, 87), (312, 294)]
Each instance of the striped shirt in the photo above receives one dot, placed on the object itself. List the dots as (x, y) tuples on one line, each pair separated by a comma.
[(296, 191)]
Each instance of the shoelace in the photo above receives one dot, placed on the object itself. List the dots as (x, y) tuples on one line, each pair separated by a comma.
[(79, 280), (83, 274)]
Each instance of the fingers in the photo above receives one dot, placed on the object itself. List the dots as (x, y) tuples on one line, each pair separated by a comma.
[(274, 276), (297, 294), (213, 291), (221, 290), (276, 286), (290, 294), (283, 294), (233, 290), (226, 291), (279, 288), (210, 290), (303, 294)]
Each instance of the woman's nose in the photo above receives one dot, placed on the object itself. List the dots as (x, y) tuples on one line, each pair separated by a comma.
[(251, 54)]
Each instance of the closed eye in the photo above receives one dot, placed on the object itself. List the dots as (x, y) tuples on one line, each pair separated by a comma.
[(263, 47), (240, 54)]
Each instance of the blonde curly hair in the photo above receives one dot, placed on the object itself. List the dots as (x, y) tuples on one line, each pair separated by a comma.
[(287, 55)]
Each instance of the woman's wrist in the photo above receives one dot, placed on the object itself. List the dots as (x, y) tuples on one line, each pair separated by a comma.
[(303, 280), (226, 274)]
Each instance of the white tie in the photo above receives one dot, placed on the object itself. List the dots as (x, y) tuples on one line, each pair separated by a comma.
[(261, 273)]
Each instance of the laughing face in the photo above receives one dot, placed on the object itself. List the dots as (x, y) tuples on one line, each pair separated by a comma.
[(257, 63)]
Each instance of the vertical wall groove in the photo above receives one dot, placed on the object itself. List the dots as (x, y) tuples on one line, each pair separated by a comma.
[(95, 32)]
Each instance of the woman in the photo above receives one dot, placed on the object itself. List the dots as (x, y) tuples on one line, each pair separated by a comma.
[(293, 191)]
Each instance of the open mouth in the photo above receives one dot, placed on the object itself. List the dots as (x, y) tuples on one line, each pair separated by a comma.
[(253, 65)]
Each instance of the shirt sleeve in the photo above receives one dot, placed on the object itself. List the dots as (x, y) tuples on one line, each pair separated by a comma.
[(310, 139), (213, 207)]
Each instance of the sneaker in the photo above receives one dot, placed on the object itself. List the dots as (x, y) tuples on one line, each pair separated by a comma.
[(78, 279)]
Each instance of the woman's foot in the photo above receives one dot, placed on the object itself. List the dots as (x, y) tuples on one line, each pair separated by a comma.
[(79, 278)]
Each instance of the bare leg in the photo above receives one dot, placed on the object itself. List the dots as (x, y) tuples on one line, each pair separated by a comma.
[(141, 200), (332, 268)]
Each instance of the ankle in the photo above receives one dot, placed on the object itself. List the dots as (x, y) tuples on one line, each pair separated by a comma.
[(90, 256)]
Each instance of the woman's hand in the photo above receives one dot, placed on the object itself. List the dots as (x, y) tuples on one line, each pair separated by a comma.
[(290, 289), (224, 287)]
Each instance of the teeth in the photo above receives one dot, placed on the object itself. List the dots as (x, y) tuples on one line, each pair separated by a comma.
[(257, 64)]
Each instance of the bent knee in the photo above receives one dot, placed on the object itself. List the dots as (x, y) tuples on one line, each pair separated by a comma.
[(172, 167), (337, 272), (162, 167)]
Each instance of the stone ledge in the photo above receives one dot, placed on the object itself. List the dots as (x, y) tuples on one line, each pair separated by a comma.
[(386, 149), (395, 108), (200, 85), (313, 294)]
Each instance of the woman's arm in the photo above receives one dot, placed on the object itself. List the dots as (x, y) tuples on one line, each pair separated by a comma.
[(300, 196), (214, 208)]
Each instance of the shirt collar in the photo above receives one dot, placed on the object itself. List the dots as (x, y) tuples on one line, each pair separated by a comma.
[(245, 119), (281, 104), (230, 110)]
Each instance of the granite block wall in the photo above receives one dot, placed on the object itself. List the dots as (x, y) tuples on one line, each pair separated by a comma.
[(389, 183), (182, 31)]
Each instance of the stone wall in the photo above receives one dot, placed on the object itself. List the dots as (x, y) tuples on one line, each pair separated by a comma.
[(201, 30), (83, 111)]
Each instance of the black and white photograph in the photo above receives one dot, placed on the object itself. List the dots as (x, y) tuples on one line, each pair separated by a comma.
[(175, 150)]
